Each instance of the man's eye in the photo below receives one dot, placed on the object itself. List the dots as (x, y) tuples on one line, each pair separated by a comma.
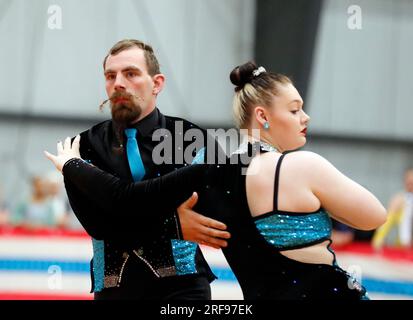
[(295, 111), (131, 74), (110, 77)]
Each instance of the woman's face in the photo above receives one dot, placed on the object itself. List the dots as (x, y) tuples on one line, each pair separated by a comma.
[(287, 119)]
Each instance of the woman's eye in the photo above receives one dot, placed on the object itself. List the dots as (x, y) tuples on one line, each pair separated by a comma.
[(294, 111)]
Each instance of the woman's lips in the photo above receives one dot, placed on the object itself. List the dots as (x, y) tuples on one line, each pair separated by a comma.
[(304, 132)]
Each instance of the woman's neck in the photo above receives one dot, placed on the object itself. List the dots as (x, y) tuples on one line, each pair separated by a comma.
[(266, 141)]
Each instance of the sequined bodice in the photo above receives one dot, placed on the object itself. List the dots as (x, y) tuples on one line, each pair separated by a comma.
[(287, 230)]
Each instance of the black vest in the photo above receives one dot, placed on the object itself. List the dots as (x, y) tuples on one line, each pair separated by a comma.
[(118, 247)]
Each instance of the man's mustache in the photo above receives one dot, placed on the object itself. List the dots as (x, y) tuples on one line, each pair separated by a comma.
[(120, 95)]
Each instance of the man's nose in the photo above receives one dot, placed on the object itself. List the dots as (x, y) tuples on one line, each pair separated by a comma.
[(119, 83)]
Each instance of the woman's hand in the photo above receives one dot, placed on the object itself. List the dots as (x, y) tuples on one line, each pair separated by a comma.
[(65, 152)]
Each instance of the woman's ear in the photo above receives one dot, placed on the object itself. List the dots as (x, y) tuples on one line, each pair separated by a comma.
[(261, 115), (159, 82)]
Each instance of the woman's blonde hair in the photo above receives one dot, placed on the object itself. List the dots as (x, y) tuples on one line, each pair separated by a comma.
[(253, 86)]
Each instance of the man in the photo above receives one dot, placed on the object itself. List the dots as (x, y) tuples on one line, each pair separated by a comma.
[(141, 261)]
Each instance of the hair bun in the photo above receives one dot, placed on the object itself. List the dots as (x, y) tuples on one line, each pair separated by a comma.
[(242, 74)]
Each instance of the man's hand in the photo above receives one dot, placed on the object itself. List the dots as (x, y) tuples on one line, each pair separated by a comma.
[(198, 228), (65, 152)]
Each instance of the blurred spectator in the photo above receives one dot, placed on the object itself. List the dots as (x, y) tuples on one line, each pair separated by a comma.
[(38, 210), (398, 230), (4, 212), (71, 221), (65, 218), (54, 190)]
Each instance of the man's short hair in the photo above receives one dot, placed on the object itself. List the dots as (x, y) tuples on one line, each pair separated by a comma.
[(151, 61)]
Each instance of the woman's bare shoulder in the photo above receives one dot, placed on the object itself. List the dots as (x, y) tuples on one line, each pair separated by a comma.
[(306, 160), (302, 159)]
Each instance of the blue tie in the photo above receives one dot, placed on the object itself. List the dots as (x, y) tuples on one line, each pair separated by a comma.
[(134, 157)]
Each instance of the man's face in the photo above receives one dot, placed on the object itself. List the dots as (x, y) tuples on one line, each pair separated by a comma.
[(129, 86)]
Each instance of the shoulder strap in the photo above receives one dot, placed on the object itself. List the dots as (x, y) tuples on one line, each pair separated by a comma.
[(276, 182)]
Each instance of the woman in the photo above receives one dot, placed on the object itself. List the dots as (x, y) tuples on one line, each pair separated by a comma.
[(278, 213)]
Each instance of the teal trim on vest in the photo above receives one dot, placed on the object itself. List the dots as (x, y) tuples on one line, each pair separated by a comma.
[(200, 157), (98, 264), (184, 256)]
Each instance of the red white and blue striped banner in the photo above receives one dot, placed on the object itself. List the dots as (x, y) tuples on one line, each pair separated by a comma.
[(54, 264)]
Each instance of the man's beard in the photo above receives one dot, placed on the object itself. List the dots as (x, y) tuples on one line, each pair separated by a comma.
[(125, 112)]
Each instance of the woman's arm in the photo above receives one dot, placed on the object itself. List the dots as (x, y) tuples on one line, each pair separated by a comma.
[(138, 201), (127, 208), (119, 201), (346, 200)]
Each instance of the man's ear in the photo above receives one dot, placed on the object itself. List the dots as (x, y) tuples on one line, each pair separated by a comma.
[(159, 82)]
